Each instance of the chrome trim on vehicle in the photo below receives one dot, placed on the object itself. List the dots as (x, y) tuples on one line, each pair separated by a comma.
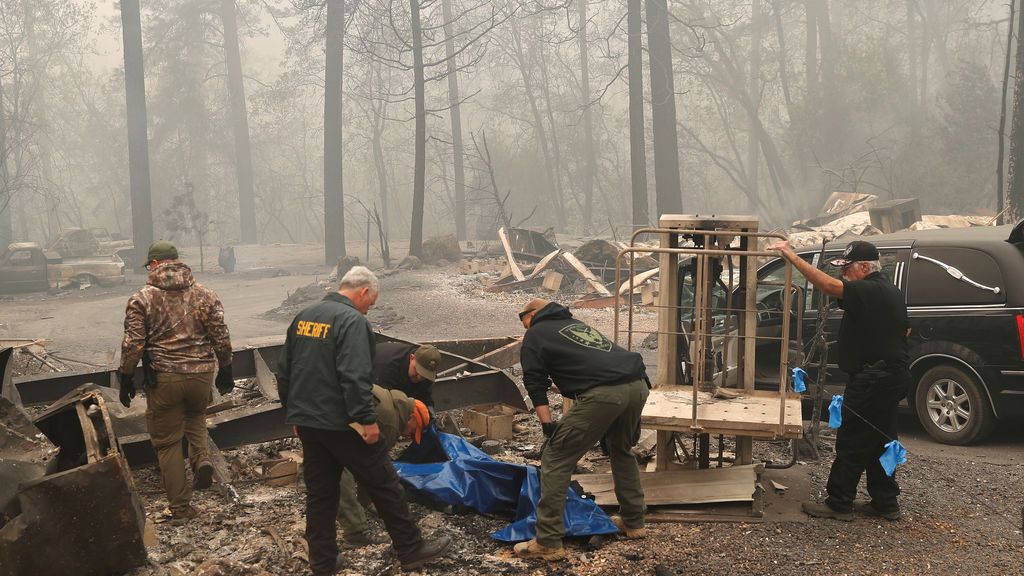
[(984, 386), (1012, 372), (954, 307)]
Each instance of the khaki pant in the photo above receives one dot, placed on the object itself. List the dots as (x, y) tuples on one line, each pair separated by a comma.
[(176, 407), (609, 412), (351, 512)]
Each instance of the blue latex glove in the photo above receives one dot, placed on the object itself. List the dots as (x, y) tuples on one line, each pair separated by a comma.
[(835, 412), (798, 380), (894, 455)]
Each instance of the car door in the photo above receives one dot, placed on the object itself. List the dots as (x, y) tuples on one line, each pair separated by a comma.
[(770, 284), (23, 269)]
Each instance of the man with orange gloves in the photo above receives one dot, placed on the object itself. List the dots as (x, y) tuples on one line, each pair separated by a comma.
[(397, 414)]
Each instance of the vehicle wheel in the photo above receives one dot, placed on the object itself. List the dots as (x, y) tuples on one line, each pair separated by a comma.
[(952, 406), (85, 281)]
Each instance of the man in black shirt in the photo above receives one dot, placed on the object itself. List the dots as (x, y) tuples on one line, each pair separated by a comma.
[(873, 351), (609, 385), (408, 368)]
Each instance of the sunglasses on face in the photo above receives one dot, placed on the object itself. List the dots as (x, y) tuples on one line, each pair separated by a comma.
[(524, 314)]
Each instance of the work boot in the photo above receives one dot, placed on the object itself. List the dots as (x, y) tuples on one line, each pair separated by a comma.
[(868, 509), (354, 540), (532, 549), (628, 533), (428, 551), (822, 510), (181, 516), (202, 475)]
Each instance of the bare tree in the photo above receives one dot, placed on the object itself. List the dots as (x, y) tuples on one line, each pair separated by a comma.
[(1015, 187), (1002, 116), (138, 138), (587, 147), (458, 153), (663, 108), (637, 132), (240, 125), (334, 200)]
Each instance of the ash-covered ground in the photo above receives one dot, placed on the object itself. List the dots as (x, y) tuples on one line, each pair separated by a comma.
[(962, 505)]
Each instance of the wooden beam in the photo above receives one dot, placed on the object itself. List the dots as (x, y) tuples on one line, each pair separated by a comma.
[(593, 283), (517, 273)]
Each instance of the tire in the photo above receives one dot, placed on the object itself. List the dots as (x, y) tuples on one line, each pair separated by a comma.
[(952, 406), (85, 280)]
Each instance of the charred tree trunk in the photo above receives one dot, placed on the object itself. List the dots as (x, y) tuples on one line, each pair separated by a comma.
[(458, 153), (663, 110), (754, 89), (1002, 117), (6, 222), (780, 36), (538, 122), (334, 200), (1015, 189), (590, 161), (240, 125), (420, 168), (811, 55), (138, 140), (637, 134)]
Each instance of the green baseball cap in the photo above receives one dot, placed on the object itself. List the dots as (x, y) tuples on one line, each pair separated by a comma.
[(161, 250), (428, 359)]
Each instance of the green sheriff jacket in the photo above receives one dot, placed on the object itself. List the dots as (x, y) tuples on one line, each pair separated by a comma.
[(324, 370)]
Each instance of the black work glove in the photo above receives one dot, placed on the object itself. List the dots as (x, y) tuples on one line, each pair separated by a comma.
[(225, 381), (127, 388), (548, 428)]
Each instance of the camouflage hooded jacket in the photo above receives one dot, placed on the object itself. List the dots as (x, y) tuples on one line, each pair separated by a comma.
[(180, 323)]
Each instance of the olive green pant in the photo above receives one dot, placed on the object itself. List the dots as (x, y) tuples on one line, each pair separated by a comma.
[(611, 412), (351, 512), (176, 407)]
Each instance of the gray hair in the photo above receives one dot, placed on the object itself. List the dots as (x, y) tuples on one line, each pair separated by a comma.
[(873, 266), (360, 277)]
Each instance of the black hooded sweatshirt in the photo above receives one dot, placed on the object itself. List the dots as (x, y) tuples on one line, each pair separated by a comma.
[(559, 348)]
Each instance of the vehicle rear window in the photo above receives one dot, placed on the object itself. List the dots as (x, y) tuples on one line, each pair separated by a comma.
[(931, 284)]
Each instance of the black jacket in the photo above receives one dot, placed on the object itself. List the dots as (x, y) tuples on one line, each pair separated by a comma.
[(324, 370), (575, 356), (391, 371)]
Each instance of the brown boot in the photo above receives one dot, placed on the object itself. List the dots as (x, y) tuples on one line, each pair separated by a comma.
[(628, 533), (181, 516), (822, 510), (532, 549), (202, 475)]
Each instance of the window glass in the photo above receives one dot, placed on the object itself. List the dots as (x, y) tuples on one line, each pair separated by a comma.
[(21, 258), (932, 279), (771, 279)]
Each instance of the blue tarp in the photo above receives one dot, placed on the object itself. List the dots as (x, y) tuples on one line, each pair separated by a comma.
[(455, 472)]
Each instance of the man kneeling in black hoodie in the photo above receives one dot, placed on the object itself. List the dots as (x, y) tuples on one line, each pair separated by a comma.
[(609, 385)]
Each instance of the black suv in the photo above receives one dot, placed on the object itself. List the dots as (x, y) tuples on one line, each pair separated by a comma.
[(965, 298)]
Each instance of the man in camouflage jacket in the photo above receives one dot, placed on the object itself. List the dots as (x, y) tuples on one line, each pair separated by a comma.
[(176, 326)]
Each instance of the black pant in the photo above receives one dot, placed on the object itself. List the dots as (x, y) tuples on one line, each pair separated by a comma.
[(325, 454), (869, 422)]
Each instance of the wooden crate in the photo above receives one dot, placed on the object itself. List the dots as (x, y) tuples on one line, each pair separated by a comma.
[(491, 420)]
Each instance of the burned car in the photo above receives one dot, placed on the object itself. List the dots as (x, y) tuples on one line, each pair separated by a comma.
[(964, 290)]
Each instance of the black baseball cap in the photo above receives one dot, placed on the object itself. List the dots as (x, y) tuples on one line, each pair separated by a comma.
[(857, 251)]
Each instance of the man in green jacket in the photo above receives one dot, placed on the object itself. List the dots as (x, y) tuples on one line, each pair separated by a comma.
[(325, 386), (609, 385), (397, 415)]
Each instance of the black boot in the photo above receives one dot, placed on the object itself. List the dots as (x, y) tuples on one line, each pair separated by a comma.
[(429, 550)]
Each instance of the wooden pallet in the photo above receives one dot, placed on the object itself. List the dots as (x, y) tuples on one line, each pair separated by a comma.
[(755, 414)]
